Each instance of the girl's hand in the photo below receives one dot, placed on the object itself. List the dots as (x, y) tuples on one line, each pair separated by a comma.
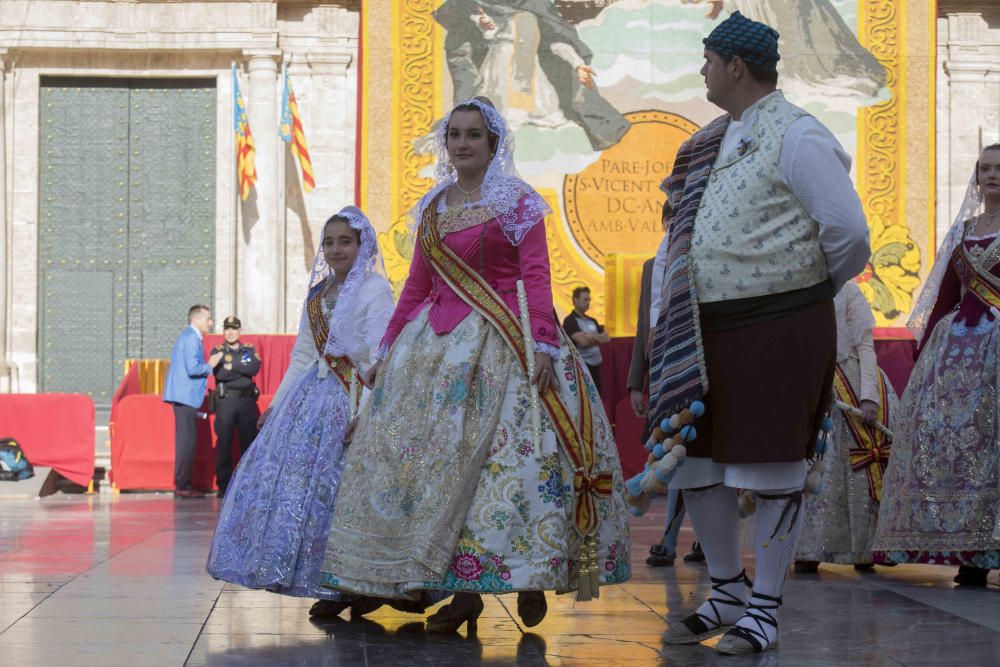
[(368, 379), (263, 418), (349, 431)]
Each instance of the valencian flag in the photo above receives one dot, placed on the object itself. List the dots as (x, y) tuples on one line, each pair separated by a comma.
[(292, 133), (246, 170)]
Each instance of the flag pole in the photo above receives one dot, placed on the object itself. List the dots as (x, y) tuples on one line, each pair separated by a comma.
[(283, 210), (234, 227)]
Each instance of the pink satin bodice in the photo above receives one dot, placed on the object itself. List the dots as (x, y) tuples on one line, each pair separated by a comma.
[(500, 262)]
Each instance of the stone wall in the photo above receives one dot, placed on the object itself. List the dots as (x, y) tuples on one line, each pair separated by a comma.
[(317, 40), (968, 97)]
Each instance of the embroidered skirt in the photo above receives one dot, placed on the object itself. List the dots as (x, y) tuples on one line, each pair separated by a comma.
[(273, 524), (443, 488), (941, 498)]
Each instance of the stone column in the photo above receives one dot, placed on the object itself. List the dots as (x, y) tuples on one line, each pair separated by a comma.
[(5, 359), (259, 299), (972, 67)]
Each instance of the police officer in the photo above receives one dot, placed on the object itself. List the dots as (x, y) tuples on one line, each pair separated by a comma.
[(235, 400)]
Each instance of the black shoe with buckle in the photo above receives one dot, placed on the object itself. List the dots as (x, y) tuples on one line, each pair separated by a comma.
[(696, 555), (660, 556)]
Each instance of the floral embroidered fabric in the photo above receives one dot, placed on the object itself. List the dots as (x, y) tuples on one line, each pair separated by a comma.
[(942, 486), (443, 487)]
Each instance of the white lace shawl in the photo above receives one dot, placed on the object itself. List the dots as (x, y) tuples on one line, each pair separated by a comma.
[(359, 317), (502, 189), (921, 315), (368, 325)]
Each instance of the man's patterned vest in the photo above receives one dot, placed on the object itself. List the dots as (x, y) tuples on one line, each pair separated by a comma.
[(752, 237)]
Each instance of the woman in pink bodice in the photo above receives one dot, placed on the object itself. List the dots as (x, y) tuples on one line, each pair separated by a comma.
[(449, 485), (941, 499)]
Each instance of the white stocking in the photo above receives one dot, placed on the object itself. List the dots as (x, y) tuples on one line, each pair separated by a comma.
[(715, 517), (778, 525)]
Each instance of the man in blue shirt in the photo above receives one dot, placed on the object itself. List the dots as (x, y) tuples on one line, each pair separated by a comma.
[(185, 391)]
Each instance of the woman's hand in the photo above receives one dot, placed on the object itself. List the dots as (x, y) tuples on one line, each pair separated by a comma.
[(368, 379), (545, 375), (349, 431), (869, 413), (263, 418)]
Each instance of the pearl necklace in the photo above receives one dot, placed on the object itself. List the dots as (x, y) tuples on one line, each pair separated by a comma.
[(468, 193)]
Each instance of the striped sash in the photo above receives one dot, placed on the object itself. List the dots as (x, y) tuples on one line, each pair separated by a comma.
[(976, 284), (341, 367), (872, 447), (575, 436), (677, 375)]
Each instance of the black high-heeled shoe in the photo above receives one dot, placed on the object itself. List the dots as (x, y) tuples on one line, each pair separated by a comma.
[(531, 607), (328, 608), (971, 576), (365, 605), (465, 608)]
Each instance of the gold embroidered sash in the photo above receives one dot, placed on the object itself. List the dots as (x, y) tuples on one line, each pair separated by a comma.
[(576, 437), (873, 446), (973, 276), (341, 367)]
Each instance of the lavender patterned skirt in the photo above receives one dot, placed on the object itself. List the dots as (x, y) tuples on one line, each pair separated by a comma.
[(275, 519)]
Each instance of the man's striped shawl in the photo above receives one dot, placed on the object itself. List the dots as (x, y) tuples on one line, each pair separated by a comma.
[(677, 374)]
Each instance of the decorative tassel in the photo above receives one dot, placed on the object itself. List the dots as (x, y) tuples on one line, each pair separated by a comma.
[(747, 504), (587, 584), (814, 480), (666, 451)]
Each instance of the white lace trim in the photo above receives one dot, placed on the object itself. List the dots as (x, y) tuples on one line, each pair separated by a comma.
[(502, 189), (921, 314)]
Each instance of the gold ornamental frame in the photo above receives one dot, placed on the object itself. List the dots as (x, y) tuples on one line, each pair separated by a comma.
[(402, 94)]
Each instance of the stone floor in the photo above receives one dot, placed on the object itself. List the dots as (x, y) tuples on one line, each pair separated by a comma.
[(119, 580)]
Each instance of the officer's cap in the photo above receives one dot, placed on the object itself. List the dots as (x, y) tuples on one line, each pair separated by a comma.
[(232, 322)]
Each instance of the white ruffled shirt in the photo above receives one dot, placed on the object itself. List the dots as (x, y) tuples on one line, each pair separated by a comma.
[(375, 306)]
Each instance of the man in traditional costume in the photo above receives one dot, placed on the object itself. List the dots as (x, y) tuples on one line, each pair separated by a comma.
[(767, 227)]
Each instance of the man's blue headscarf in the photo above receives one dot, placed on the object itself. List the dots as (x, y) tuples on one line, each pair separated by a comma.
[(754, 42)]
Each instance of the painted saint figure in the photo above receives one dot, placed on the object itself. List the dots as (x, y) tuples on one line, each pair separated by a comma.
[(819, 47), (475, 27)]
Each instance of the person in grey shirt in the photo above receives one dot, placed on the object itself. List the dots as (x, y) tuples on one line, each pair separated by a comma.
[(586, 333)]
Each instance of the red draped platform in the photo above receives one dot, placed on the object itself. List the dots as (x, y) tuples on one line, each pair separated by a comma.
[(142, 425), (142, 447), (54, 430)]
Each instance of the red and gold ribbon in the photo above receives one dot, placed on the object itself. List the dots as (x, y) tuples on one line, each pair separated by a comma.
[(341, 367), (872, 446)]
